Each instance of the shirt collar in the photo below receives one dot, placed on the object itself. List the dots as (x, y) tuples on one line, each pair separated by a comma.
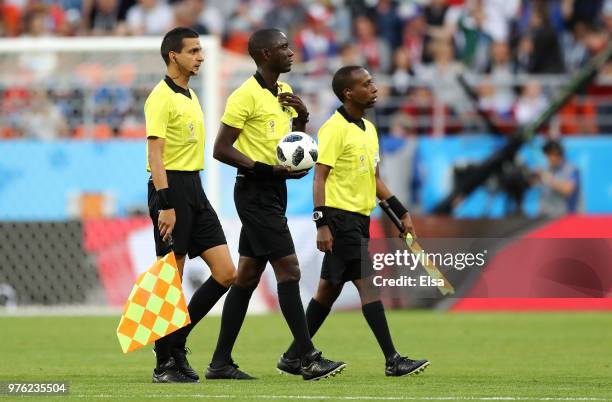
[(177, 89), (350, 119), (260, 79)]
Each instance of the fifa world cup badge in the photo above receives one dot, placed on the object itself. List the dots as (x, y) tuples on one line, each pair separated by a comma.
[(272, 124), (192, 137)]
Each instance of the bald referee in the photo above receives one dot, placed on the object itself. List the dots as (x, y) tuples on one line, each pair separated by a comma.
[(177, 203), (257, 115), (346, 185)]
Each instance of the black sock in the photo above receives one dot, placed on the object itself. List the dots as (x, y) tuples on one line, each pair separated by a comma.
[(316, 313), (234, 311), (293, 311), (374, 314), (162, 349), (200, 304)]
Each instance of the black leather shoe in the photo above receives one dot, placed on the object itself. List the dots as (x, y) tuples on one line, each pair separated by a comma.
[(170, 373), (227, 372), (180, 357), (315, 366), (286, 365), (397, 366)]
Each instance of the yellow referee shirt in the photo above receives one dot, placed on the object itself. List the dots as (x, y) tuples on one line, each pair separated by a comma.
[(254, 108), (174, 113), (350, 148)]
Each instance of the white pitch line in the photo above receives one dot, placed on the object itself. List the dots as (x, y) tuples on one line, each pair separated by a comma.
[(350, 398)]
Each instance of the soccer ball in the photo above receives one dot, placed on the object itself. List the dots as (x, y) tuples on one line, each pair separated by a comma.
[(297, 151)]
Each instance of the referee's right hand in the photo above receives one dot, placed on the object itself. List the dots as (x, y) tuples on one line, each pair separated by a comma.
[(165, 222), (325, 240), (285, 173)]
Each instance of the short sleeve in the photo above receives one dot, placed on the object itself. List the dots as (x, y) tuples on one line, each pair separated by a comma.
[(157, 114), (331, 145), (238, 109)]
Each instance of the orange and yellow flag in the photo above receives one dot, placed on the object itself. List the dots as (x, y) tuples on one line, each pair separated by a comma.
[(155, 308)]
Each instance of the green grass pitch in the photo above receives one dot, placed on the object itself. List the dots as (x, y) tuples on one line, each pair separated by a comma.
[(509, 356)]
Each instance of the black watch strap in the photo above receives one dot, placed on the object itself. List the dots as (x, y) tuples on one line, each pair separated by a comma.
[(319, 216)]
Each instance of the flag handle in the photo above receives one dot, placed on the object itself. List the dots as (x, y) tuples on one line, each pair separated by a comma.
[(412, 244)]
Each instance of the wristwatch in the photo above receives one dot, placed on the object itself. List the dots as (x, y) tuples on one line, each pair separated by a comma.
[(317, 215)]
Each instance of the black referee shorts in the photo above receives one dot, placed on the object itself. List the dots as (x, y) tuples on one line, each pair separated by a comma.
[(197, 226), (343, 263), (261, 206)]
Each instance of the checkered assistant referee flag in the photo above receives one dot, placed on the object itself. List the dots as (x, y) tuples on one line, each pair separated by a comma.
[(155, 308)]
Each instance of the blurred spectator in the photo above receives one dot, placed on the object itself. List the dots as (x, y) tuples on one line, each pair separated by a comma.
[(442, 76), (500, 71), (112, 103), (583, 11), (386, 17), (10, 19), (575, 52), (376, 52), (414, 40), (103, 18), (14, 101), (348, 55), (341, 21), (471, 39), (149, 17), (434, 14), (402, 126), (560, 183), (606, 16), (186, 15), (419, 111), (544, 53), (71, 102), (286, 15), (42, 119), (209, 16), (240, 24), (315, 43), (493, 101), (42, 19), (402, 73), (530, 104)]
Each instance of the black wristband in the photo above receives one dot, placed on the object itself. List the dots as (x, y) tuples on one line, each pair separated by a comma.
[(396, 206), (319, 216), (163, 196), (262, 170)]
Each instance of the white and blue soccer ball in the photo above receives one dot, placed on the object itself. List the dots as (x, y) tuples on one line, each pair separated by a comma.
[(297, 151)]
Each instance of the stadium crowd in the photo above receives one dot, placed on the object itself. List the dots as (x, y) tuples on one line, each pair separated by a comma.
[(415, 48)]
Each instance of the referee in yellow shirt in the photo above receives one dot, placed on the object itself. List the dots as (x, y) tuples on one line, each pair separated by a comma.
[(177, 203), (258, 114), (346, 185)]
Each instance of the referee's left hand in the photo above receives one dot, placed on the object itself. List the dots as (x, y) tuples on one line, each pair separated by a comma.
[(165, 222), (288, 99), (408, 227), (325, 239)]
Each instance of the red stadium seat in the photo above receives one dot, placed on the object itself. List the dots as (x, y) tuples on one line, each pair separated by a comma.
[(98, 132), (133, 132)]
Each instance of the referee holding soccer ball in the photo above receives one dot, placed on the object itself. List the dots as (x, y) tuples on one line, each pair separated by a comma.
[(346, 185), (257, 115)]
